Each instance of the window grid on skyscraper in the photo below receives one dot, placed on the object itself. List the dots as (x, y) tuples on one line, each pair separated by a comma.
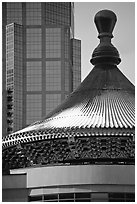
[(34, 43), (34, 76), (67, 70), (52, 100), (33, 108), (67, 39), (76, 46), (18, 66), (60, 18), (12, 16), (33, 13), (53, 75), (14, 74), (53, 42), (10, 55)]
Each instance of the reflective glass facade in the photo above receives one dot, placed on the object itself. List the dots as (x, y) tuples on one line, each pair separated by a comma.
[(53, 76), (33, 13), (66, 43), (33, 38), (76, 60), (34, 76), (12, 16), (14, 76), (58, 13), (10, 55), (52, 100), (33, 108), (53, 42), (67, 76), (39, 56)]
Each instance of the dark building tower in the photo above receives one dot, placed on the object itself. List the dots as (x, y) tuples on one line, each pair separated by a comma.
[(41, 60), (84, 149)]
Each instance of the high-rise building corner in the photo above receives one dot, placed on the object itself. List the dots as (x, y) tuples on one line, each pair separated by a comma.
[(41, 60)]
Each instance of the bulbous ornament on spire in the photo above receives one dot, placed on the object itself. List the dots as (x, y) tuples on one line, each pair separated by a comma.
[(105, 53)]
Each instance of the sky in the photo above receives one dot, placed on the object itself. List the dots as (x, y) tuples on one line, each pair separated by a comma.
[(124, 34)]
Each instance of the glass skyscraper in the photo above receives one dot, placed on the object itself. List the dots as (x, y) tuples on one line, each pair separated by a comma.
[(41, 60)]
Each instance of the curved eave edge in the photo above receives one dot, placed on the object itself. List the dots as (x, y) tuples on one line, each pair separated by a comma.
[(32, 136)]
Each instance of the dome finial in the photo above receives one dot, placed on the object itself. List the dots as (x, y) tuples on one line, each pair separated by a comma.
[(105, 52), (105, 21)]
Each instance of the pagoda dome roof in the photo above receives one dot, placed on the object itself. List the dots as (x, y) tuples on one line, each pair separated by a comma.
[(94, 125), (104, 101)]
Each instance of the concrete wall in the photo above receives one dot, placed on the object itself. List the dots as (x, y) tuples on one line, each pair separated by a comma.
[(65, 179), (79, 175)]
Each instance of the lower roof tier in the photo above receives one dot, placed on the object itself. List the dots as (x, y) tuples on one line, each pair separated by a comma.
[(60, 133), (73, 150)]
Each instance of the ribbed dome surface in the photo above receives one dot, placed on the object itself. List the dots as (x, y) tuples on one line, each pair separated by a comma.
[(104, 110), (105, 99)]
